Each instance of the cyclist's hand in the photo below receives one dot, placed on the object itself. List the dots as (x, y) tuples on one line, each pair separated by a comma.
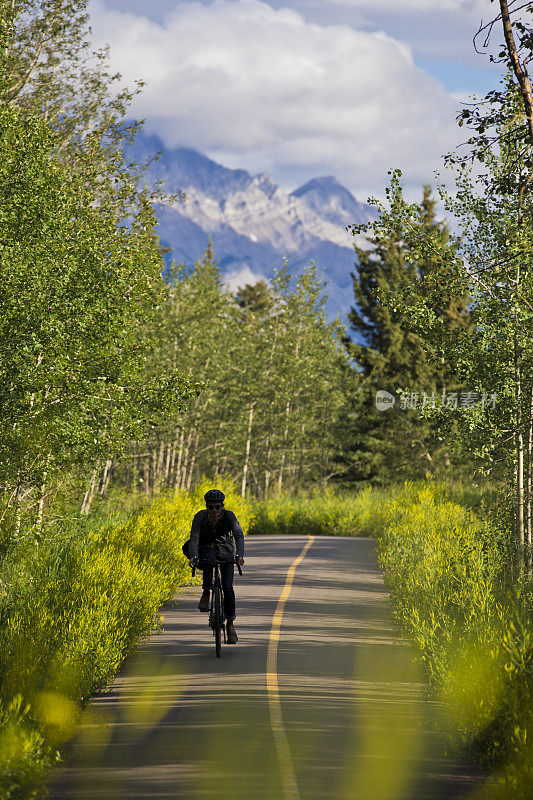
[(239, 560)]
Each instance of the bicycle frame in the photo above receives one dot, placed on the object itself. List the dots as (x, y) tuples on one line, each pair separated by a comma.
[(216, 610)]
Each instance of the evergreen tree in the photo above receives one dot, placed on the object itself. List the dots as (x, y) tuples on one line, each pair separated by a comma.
[(255, 298), (393, 442), (491, 260)]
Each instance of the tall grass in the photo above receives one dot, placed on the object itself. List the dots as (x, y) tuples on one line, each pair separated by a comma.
[(321, 512), (459, 598), (448, 561), (72, 609)]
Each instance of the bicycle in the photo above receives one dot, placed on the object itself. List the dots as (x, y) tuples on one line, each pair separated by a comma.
[(216, 609)]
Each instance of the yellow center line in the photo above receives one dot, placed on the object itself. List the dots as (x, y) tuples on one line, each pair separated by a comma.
[(288, 777)]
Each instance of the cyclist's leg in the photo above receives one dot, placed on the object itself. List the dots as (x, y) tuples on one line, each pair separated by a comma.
[(227, 570), (207, 578), (206, 557), (207, 584)]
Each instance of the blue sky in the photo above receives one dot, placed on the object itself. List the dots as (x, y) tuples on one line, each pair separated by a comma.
[(300, 89)]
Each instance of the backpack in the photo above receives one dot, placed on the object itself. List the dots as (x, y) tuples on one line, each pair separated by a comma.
[(223, 550)]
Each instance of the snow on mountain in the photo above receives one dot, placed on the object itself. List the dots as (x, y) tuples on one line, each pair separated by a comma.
[(333, 202), (253, 223)]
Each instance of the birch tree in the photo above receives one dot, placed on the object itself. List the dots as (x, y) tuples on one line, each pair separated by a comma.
[(76, 288), (268, 366), (489, 262)]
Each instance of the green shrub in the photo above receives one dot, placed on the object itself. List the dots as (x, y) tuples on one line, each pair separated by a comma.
[(72, 610), (448, 562), (322, 512), (457, 597)]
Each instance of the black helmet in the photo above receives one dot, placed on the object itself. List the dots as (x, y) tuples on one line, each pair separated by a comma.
[(214, 496)]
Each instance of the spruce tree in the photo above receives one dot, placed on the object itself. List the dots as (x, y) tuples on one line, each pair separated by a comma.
[(394, 442), (255, 298)]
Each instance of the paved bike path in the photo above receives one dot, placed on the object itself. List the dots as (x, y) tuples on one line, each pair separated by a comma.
[(341, 714)]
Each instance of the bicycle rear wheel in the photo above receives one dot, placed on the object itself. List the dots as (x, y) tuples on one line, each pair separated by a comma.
[(217, 619)]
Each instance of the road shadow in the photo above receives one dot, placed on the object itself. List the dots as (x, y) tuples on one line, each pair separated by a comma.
[(180, 723)]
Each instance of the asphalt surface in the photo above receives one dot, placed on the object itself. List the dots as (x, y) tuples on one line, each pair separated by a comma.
[(342, 714)]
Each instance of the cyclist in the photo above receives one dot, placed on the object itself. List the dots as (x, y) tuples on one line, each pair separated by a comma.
[(213, 532)]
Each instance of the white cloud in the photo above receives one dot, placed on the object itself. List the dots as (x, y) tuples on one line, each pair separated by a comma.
[(423, 6), (239, 277), (264, 89)]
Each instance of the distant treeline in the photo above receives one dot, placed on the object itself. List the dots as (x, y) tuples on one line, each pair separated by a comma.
[(271, 370)]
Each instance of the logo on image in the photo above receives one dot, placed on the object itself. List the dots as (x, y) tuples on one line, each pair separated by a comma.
[(384, 400)]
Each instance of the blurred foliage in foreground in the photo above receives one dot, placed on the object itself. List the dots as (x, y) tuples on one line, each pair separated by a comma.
[(456, 595), (71, 610)]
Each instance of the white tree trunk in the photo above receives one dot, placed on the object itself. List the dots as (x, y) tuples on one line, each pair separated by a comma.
[(519, 449), (89, 494), (177, 475), (167, 462), (104, 483), (284, 451), (193, 458), (247, 451)]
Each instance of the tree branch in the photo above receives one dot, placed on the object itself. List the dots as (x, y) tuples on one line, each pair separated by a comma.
[(520, 70), (16, 90)]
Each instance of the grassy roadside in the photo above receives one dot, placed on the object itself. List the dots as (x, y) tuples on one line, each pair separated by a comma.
[(71, 610), (449, 569), (74, 607), (322, 512)]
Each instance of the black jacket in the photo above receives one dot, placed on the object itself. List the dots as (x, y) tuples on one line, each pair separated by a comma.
[(204, 532)]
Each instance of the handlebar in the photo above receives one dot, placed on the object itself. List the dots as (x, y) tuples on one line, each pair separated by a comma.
[(236, 561)]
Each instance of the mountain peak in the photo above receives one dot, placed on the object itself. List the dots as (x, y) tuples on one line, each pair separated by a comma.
[(184, 167), (326, 182), (252, 222), (333, 201), (265, 183)]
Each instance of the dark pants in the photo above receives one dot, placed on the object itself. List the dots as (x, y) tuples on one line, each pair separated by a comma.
[(226, 574)]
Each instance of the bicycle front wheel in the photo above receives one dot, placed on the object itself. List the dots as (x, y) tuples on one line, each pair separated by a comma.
[(217, 621)]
